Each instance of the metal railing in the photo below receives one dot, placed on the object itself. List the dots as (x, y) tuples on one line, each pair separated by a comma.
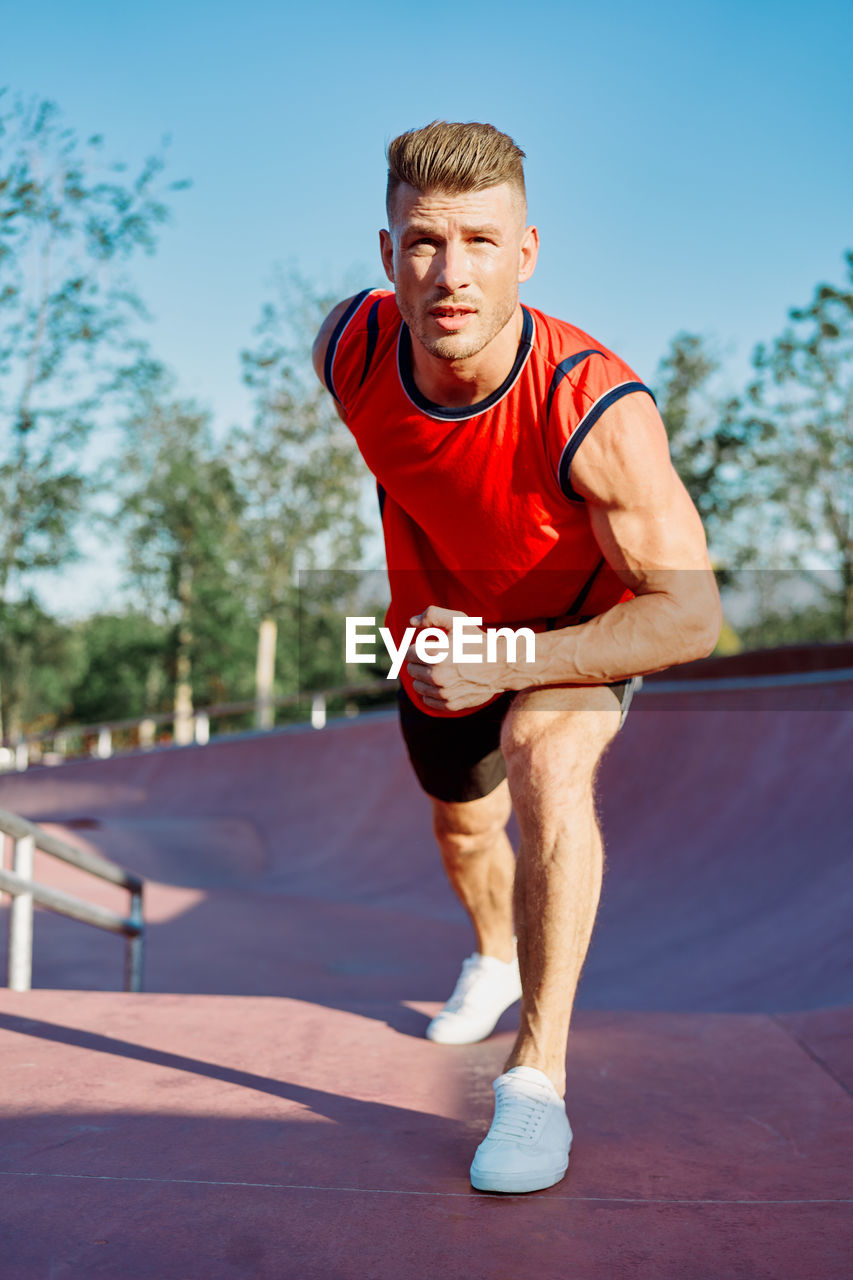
[(26, 837), (192, 728)]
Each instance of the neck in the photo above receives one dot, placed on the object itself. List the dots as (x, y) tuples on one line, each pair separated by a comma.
[(455, 383)]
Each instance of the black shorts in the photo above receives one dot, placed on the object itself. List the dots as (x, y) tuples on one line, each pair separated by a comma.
[(460, 758)]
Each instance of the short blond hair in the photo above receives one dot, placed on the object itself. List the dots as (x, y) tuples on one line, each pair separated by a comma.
[(453, 157)]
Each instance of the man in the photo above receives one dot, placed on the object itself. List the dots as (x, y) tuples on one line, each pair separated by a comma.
[(525, 480)]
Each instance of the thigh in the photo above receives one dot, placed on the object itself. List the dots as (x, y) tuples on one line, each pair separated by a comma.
[(553, 738), (459, 758), (456, 758)]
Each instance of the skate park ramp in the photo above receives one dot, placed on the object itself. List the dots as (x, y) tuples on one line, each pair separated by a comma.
[(269, 1107)]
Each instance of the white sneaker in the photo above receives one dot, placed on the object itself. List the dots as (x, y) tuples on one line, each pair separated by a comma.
[(486, 987), (527, 1147)]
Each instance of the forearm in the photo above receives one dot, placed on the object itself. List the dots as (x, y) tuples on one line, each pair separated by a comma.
[(648, 633)]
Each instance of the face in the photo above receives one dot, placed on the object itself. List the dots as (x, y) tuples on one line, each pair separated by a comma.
[(456, 262)]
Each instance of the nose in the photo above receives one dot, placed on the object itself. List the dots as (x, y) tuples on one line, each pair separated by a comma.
[(452, 263)]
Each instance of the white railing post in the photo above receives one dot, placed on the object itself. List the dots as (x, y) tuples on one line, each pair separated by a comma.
[(182, 727), (104, 748), (318, 711), (22, 756), (265, 674), (147, 730), (21, 918), (202, 728)]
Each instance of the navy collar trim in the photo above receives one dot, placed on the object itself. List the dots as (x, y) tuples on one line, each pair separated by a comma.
[(459, 414)]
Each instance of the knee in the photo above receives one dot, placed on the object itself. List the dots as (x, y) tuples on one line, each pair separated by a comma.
[(557, 744), (534, 755)]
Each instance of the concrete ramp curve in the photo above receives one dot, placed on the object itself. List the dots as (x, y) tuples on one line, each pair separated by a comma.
[(270, 1108)]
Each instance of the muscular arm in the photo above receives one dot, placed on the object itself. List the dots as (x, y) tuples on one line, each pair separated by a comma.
[(650, 533)]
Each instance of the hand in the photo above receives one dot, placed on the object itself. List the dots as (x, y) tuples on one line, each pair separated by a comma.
[(446, 685)]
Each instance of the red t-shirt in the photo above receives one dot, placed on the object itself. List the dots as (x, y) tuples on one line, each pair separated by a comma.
[(478, 509)]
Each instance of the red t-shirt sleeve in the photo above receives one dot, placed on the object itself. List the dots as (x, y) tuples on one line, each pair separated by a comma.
[(582, 387), (352, 345)]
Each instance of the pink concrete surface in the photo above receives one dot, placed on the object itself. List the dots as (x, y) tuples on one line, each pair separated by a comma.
[(303, 864), (204, 1136), (271, 1109)]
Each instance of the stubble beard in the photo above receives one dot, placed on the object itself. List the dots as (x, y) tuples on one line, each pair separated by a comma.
[(460, 346)]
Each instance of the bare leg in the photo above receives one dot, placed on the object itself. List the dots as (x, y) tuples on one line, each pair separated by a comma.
[(553, 740), (480, 865)]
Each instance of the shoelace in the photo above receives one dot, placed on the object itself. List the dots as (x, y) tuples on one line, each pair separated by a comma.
[(517, 1115)]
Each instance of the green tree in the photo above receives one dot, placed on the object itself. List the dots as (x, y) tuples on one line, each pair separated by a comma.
[(47, 660), (706, 437), (123, 668), (303, 485), (812, 624), (800, 411), (69, 221), (179, 510)]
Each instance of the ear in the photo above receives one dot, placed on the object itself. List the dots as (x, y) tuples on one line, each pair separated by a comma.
[(528, 254), (386, 248)]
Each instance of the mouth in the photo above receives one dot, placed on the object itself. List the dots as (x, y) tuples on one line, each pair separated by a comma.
[(451, 317)]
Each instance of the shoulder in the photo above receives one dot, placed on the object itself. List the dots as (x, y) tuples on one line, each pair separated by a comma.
[(324, 334), (350, 316), (628, 453), (364, 313), (580, 381), (577, 365)]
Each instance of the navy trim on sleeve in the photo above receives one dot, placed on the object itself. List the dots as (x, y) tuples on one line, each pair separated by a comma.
[(564, 367), (372, 338), (380, 494), (581, 430), (336, 337)]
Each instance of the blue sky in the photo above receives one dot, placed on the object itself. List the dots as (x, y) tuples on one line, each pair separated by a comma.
[(689, 167)]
